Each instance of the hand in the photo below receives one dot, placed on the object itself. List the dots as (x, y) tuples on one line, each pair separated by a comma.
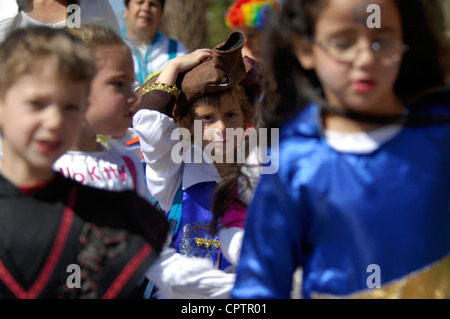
[(182, 63)]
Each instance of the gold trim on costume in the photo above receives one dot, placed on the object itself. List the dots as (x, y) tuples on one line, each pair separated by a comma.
[(172, 89), (207, 242), (430, 282)]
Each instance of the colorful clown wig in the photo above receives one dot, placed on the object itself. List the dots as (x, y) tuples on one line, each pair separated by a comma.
[(250, 13)]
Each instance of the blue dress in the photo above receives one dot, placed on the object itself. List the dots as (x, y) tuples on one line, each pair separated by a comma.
[(349, 220), (192, 237)]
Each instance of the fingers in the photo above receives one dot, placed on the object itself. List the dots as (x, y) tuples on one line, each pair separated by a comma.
[(202, 54), (201, 51), (190, 60), (183, 63)]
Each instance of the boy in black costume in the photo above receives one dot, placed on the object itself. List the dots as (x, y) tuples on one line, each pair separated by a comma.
[(58, 238)]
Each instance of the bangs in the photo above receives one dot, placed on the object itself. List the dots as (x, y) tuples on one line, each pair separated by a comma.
[(26, 50)]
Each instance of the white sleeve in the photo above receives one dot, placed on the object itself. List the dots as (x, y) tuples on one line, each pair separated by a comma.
[(231, 242), (6, 27), (181, 277), (163, 175), (8, 9), (141, 185)]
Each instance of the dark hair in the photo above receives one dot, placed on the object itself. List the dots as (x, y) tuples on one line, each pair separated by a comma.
[(425, 65), (163, 2), (224, 196)]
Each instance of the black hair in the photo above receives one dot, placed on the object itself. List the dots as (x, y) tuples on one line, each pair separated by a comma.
[(163, 2), (224, 194), (289, 87)]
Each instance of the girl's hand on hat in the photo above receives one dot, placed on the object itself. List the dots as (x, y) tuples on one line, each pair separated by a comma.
[(188, 61), (182, 63)]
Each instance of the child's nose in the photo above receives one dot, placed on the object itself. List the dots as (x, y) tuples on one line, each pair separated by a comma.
[(132, 99), (365, 56), (221, 126), (54, 118)]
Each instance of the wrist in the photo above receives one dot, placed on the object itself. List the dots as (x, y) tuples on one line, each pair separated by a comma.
[(169, 73), (169, 88)]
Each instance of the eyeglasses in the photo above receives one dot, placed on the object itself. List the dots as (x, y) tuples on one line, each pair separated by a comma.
[(346, 51)]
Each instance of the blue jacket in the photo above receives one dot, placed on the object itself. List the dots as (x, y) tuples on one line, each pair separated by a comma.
[(337, 215)]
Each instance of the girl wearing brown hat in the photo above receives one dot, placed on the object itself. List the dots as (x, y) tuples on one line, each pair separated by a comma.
[(204, 97)]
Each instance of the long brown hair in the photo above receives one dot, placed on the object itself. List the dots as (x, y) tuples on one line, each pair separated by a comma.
[(223, 195)]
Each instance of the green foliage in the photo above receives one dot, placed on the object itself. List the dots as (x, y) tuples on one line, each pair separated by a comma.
[(215, 19)]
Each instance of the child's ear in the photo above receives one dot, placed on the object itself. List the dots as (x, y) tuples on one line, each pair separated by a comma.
[(304, 52)]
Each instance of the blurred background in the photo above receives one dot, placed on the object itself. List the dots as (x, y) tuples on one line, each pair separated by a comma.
[(197, 23), (201, 23)]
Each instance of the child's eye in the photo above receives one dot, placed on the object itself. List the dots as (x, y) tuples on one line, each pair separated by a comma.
[(207, 117), (35, 104), (342, 44), (230, 115), (72, 107), (118, 84)]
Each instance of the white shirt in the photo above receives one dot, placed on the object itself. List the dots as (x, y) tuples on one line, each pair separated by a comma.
[(91, 11), (163, 175), (361, 142), (152, 58), (114, 169), (8, 9)]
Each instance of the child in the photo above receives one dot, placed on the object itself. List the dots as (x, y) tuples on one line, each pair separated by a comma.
[(360, 200), (212, 98), (60, 239), (105, 163), (235, 190), (116, 168)]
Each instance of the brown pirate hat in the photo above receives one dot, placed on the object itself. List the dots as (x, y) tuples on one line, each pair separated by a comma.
[(226, 69)]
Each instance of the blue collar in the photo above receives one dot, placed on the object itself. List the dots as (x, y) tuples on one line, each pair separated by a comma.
[(308, 122)]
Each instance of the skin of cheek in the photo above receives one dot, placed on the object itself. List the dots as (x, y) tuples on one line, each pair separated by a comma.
[(331, 78)]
